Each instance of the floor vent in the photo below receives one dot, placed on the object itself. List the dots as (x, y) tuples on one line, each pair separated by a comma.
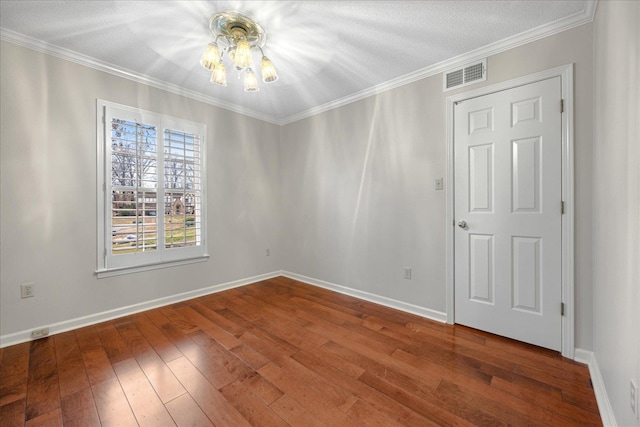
[(465, 75)]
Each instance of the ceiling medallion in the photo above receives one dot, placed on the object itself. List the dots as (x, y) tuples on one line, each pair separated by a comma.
[(235, 35)]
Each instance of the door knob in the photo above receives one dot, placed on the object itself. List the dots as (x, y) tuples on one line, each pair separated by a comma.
[(462, 224)]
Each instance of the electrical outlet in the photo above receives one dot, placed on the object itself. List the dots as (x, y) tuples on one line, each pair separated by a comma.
[(267, 252), (407, 273), (633, 397), (27, 290), (439, 183), (39, 333)]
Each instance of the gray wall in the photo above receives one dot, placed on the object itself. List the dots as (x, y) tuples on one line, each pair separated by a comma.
[(616, 201), (346, 196), (359, 202), (48, 188)]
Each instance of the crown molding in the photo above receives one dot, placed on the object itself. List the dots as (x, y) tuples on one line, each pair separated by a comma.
[(580, 18), (81, 59), (577, 19)]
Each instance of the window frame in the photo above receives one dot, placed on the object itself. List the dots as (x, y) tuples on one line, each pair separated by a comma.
[(109, 264)]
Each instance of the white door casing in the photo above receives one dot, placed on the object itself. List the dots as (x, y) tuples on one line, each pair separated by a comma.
[(510, 167)]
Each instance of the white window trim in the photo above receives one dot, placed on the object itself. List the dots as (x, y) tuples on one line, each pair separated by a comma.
[(172, 256)]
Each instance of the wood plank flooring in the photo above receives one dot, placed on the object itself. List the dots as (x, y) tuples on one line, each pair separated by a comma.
[(280, 352)]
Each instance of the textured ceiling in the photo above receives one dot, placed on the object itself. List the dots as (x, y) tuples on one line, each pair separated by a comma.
[(324, 51)]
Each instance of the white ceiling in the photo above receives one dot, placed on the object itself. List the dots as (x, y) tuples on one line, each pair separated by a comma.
[(327, 53)]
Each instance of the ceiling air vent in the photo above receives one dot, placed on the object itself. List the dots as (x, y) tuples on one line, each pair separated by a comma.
[(465, 75)]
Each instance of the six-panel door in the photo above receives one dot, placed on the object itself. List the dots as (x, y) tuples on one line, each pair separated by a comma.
[(507, 148)]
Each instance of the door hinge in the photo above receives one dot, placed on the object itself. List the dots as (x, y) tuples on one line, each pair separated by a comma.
[(561, 309), (562, 207), (562, 105)]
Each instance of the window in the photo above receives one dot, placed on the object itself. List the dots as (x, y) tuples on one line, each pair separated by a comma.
[(151, 199)]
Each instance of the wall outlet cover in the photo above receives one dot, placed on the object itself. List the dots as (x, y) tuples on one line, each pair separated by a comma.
[(27, 290), (39, 333)]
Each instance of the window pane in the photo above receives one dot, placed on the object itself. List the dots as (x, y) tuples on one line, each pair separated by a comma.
[(182, 201), (133, 222), (133, 169), (133, 154)]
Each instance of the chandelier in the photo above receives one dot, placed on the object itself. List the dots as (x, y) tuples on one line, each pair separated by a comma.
[(235, 35)]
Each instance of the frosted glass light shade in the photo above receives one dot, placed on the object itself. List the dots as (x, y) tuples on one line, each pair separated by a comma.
[(210, 57), (242, 55), (219, 75), (250, 81), (269, 74)]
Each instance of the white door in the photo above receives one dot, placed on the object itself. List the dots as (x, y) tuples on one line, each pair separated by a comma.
[(508, 267)]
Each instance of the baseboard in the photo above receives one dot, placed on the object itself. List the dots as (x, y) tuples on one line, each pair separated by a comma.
[(79, 322), (604, 406), (387, 302), (583, 356)]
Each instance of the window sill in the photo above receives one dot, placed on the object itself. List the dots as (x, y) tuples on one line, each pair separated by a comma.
[(110, 272)]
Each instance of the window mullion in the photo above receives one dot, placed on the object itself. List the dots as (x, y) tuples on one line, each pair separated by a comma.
[(104, 204), (138, 178), (160, 194)]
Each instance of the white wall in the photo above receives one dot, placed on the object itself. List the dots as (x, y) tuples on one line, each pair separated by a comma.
[(358, 187), (616, 201), (48, 189)]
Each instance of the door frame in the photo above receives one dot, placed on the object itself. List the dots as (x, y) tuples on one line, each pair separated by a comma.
[(565, 73)]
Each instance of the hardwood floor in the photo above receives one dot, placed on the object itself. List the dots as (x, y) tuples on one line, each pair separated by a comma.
[(280, 353)]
